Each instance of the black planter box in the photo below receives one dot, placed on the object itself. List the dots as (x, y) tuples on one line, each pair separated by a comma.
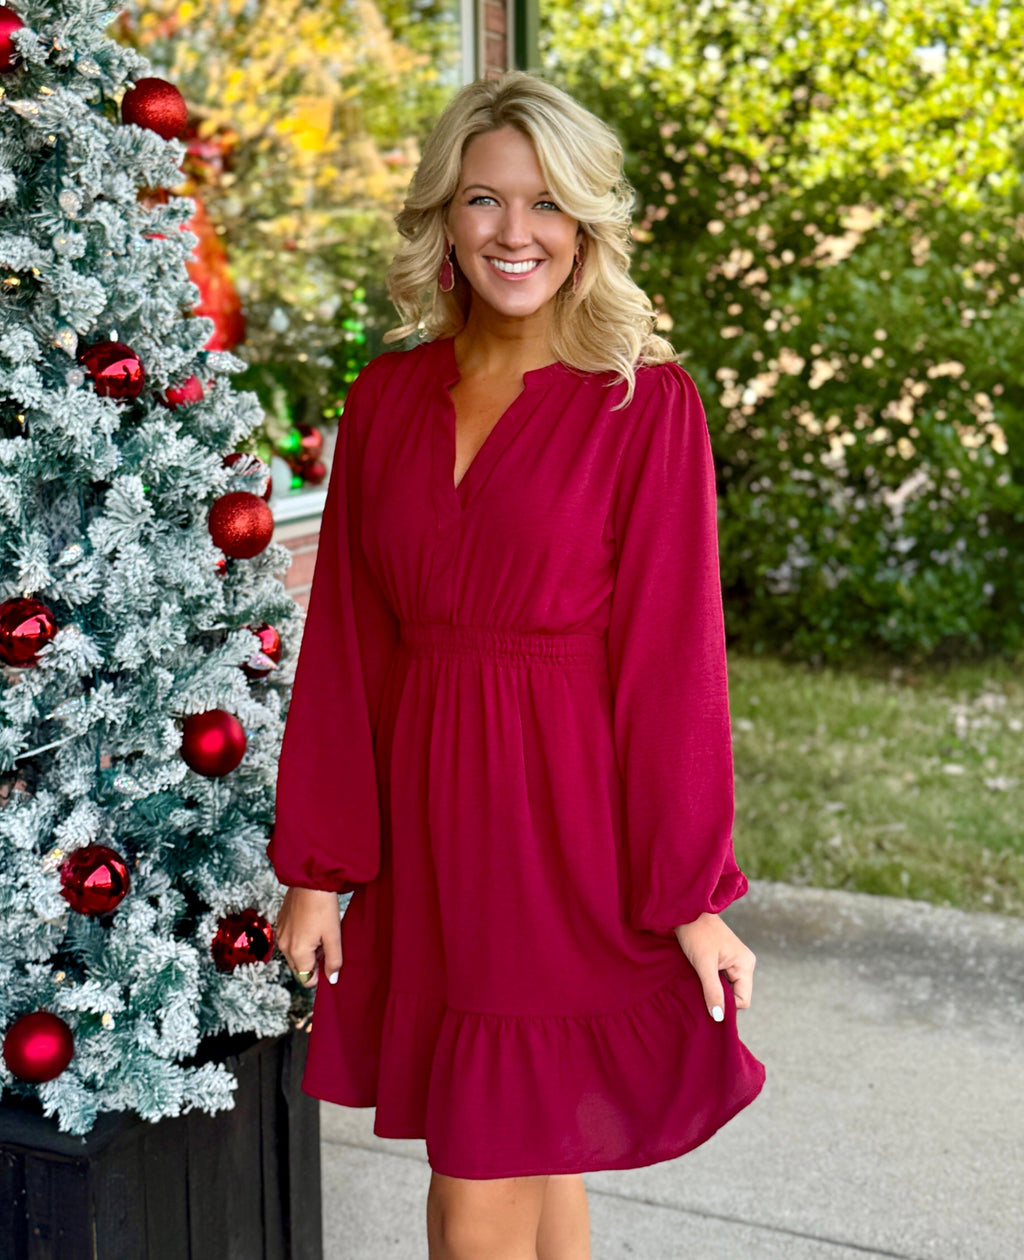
[(242, 1184)]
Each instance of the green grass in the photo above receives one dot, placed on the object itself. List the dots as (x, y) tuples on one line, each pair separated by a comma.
[(908, 783)]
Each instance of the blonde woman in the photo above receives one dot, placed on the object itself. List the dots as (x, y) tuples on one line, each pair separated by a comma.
[(509, 728)]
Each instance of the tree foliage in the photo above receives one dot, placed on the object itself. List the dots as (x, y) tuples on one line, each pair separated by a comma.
[(306, 118), (831, 224)]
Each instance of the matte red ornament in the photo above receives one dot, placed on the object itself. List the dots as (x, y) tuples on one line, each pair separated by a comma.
[(94, 879), (241, 524), (189, 392), (38, 1046), (315, 473), (9, 23), (312, 445), (26, 626), (236, 456), (270, 646), (246, 937), (156, 105), (213, 743), (115, 368)]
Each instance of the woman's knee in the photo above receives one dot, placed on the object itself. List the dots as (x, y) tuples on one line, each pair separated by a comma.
[(564, 1229), (494, 1219)]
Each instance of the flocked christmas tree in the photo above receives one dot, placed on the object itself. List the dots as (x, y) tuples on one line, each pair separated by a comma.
[(141, 706)]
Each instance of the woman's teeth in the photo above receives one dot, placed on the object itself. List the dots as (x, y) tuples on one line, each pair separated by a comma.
[(514, 269)]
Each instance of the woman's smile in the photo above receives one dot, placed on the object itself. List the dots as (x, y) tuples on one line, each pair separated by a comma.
[(515, 271)]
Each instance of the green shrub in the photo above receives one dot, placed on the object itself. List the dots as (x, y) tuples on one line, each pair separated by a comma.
[(831, 228), (867, 420)]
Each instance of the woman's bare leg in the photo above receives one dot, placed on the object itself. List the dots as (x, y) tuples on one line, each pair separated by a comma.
[(495, 1219), (564, 1229)]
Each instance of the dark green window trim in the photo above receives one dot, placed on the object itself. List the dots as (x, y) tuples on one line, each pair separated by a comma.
[(524, 35)]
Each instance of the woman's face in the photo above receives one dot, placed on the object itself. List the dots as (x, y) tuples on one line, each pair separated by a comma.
[(502, 211)]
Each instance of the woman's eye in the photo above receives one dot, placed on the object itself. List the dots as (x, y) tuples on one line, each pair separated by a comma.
[(484, 197)]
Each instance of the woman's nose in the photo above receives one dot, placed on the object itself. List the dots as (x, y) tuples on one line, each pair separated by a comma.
[(513, 231)]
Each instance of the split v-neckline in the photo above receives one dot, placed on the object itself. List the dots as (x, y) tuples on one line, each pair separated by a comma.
[(501, 433)]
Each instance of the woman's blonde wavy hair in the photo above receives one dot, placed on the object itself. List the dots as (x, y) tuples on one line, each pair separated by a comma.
[(608, 324)]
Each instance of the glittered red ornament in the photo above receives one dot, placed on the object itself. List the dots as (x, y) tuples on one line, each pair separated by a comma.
[(38, 1046), (26, 626), (213, 743), (314, 473), (241, 524), (115, 368), (189, 392), (94, 879), (236, 456), (270, 647), (246, 937), (9, 23), (156, 105)]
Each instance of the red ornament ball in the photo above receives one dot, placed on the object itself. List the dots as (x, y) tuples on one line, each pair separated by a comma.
[(241, 524), (156, 105), (9, 23), (189, 392), (26, 626), (246, 937), (222, 567), (314, 473), (213, 743), (38, 1046), (115, 368), (270, 646), (94, 879), (311, 445)]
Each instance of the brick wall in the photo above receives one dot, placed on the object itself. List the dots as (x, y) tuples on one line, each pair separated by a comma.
[(495, 31), (301, 539)]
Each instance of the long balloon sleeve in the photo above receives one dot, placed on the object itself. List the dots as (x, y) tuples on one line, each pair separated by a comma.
[(327, 831), (666, 649)]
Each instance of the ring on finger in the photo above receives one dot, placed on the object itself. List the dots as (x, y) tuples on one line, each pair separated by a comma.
[(304, 976)]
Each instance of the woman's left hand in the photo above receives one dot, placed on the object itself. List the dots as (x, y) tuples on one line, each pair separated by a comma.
[(712, 946)]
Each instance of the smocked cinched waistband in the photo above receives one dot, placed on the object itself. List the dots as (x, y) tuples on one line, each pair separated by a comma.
[(511, 646)]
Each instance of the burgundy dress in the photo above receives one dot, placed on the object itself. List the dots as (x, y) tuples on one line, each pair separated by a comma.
[(509, 737)]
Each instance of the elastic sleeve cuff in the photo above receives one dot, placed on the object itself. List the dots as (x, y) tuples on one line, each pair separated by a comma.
[(309, 874), (730, 887)]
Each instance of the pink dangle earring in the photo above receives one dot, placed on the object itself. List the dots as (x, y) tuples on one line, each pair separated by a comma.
[(576, 272), (446, 277)]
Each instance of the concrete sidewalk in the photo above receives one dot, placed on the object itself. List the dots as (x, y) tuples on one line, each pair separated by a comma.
[(891, 1124)]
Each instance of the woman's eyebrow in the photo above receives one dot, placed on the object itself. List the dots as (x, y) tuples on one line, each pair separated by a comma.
[(543, 192)]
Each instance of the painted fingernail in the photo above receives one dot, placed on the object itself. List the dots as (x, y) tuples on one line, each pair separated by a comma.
[(717, 1014), (332, 978)]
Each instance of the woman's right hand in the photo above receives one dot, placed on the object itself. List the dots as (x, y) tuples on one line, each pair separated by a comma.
[(309, 933)]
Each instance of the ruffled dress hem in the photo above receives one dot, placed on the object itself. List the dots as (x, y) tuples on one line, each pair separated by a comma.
[(528, 1095)]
